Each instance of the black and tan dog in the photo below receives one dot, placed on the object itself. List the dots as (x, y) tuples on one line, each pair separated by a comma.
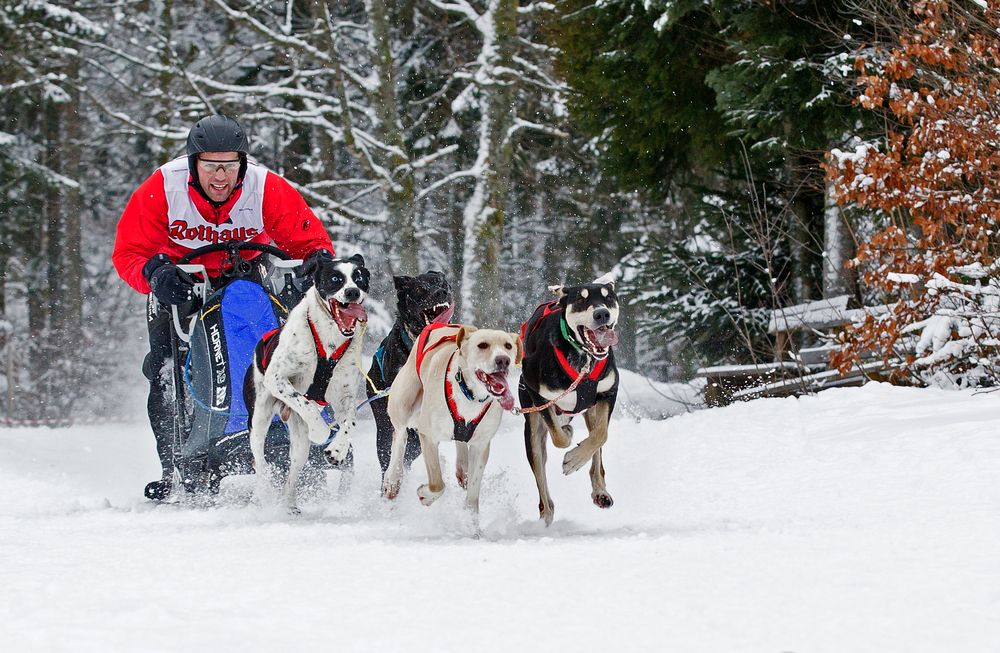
[(562, 340), (420, 301)]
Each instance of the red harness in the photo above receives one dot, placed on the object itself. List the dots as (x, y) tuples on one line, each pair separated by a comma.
[(552, 308), (421, 345), (587, 389), (573, 372), (324, 364), (464, 429)]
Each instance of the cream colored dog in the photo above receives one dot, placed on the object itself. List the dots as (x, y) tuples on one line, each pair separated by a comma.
[(453, 386)]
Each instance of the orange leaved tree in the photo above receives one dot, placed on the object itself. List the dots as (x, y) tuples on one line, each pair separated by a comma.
[(930, 187)]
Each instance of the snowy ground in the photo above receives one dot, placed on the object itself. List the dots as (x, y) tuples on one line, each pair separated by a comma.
[(856, 520)]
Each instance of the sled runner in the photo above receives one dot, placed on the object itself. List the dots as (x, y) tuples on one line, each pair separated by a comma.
[(213, 341)]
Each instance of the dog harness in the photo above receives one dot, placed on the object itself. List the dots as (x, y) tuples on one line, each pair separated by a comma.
[(324, 364), (586, 392), (423, 348), (379, 356), (463, 430)]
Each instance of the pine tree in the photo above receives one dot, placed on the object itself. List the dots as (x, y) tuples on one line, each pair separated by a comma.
[(690, 101)]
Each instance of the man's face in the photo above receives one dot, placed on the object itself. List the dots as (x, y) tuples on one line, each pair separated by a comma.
[(217, 173)]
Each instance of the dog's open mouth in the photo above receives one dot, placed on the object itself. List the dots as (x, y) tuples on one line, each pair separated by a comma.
[(438, 313), (347, 316), (599, 341), (496, 385)]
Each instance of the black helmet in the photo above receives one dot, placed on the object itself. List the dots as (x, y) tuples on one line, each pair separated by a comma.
[(217, 133)]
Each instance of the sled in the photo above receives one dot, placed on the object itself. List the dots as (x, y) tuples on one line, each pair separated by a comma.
[(213, 340)]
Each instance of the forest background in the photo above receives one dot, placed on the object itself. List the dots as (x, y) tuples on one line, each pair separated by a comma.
[(721, 159)]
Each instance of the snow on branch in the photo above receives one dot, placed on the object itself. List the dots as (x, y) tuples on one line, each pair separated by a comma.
[(520, 124), (426, 160), (939, 282), (26, 83), (461, 174), (50, 176), (277, 37), (460, 7), (536, 7), (336, 207)]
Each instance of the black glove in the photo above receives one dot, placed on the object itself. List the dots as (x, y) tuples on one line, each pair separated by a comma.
[(168, 283), (314, 261)]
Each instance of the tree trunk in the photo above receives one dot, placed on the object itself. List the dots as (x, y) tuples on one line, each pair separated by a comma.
[(296, 142), (485, 213), (399, 190), (166, 76), (838, 248), (71, 315)]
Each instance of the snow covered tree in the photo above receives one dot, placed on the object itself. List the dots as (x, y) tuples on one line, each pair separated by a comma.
[(931, 184), (41, 154), (688, 100), (714, 302), (426, 133)]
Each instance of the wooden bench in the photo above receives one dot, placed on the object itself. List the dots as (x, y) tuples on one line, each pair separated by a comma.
[(794, 370), (724, 382), (817, 317)]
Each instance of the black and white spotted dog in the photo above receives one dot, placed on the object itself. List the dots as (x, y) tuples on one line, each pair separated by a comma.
[(563, 339), (309, 363)]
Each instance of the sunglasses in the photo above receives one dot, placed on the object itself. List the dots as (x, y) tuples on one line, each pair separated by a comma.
[(212, 166)]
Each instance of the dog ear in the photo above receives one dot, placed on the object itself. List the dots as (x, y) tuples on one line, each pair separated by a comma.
[(463, 333), (519, 355), (401, 282), (558, 290), (358, 260), (440, 278)]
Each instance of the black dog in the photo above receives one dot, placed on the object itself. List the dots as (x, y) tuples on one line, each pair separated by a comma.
[(563, 339), (420, 300)]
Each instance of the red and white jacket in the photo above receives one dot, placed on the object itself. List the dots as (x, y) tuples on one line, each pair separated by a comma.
[(167, 215)]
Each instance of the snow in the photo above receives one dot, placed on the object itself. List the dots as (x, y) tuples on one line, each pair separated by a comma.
[(859, 519), (817, 314), (902, 278)]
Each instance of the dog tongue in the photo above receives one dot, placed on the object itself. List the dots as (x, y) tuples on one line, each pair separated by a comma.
[(356, 311), (444, 317), (604, 337), (498, 386)]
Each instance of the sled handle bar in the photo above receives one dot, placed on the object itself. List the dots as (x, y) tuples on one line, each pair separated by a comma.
[(235, 246), (203, 288)]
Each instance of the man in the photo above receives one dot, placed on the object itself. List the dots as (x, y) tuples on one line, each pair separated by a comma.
[(214, 194)]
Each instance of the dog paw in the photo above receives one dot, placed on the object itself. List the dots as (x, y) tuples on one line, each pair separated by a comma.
[(546, 512), (390, 489), (565, 439), (602, 499), (575, 459), (428, 496), (337, 450)]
